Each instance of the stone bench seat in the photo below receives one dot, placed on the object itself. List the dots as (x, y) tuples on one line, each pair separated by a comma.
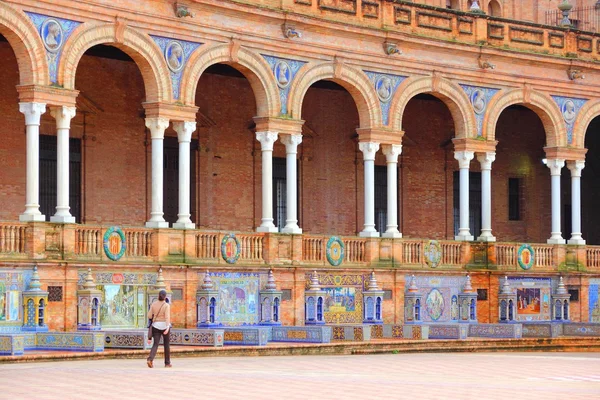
[(496, 331), (301, 334), (448, 331), (542, 329), (126, 339), (12, 344), (198, 337), (391, 331), (581, 329), (352, 333), (79, 341), (246, 335)]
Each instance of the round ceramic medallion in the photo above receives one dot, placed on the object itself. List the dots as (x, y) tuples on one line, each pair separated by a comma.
[(230, 248), (525, 256), (175, 56), (433, 253), (384, 89), (52, 35), (335, 251), (114, 243), (283, 74)]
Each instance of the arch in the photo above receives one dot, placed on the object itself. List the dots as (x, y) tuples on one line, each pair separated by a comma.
[(589, 111), (541, 104), (494, 8), (447, 91), (27, 45), (353, 80), (137, 45), (252, 65)]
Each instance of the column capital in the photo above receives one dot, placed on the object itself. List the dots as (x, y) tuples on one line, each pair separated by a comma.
[(486, 159), (464, 158), (368, 149), (575, 167), (555, 165), (184, 130), (32, 112), (391, 151), (266, 139), (291, 142), (63, 116), (157, 127)]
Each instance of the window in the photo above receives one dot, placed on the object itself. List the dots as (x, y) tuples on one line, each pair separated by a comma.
[(453, 4), (286, 294), (48, 177), (494, 8), (380, 198), (55, 294), (279, 192), (474, 202), (482, 294), (514, 199), (177, 294), (387, 295), (574, 295)]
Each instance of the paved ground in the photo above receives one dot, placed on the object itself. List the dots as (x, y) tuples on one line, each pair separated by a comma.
[(391, 376)]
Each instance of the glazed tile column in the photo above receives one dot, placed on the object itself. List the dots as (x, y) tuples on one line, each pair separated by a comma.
[(157, 128), (184, 134), (291, 149), (32, 112), (63, 116), (575, 167), (464, 159), (555, 166), (267, 139), (369, 149), (392, 151), (486, 160)]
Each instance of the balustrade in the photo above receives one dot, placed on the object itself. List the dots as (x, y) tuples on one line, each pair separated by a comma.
[(88, 241), (12, 238), (593, 256), (139, 242), (412, 252), (207, 245), (313, 249), (252, 247), (452, 253)]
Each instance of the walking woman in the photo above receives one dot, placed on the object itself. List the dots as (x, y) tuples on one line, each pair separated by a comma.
[(160, 314)]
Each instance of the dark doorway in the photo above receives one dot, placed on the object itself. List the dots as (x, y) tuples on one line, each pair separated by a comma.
[(171, 179)]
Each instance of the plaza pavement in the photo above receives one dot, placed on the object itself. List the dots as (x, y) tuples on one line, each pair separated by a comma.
[(388, 376)]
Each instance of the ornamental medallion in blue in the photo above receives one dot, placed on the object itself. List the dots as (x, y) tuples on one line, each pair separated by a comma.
[(569, 109), (479, 97), (525, 256), (285, 71), (115, 243), (385, 86), (230, 248), (335, 251)]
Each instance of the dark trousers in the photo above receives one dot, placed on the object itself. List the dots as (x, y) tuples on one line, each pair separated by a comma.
[(156, 335)]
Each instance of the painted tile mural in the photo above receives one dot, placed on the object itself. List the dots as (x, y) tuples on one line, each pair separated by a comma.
[(594, 296), (12, 284), (343, 297), (534, 297), (238, 296), (440, 296)]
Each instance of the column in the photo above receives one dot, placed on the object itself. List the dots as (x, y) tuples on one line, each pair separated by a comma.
[(32, 112), (486, 160), (184, 134), (575, 167), (392, 151), (157, 128), (267, 139), (464, 159), (291, 148), (63, 116), (555, 166), (369, 149)]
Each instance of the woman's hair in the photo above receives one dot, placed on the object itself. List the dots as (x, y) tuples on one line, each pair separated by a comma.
[(162, 295)]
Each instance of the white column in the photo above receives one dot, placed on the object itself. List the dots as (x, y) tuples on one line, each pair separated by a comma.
[(575, 167), (486, 160), (63, 116), (555, 166), (157, 128), (464, 159), (267, 139), (184, 134), (392, 151), (291, 148), (32, 112), (369, 149)]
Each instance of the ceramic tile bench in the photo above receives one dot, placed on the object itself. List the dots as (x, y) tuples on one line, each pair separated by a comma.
[(301, 334), (496, 331)]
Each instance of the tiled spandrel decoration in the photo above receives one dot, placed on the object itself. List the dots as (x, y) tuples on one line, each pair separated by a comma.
[(176, 53), (479, 98), (54, 33), (569, 108), (385, 86), (285, 71)]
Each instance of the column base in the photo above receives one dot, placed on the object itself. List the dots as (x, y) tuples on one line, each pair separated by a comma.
[(157, 224), (184, 225), (292, 229), (486, 238), (32, 218), (63, 219), (269, 229), (464, 238), (393, 234), (576, 241), (556, 240), (369, 234)]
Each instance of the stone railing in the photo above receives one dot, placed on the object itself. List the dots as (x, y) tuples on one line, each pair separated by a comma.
[(84, 243), (406, 17)]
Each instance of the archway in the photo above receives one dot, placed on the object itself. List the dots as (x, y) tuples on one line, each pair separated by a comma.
[(494, 8), (590, 185)]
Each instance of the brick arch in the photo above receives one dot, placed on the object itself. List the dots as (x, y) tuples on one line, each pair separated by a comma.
[(25, 41), (545, 108), (588, 112), (252, 65), (137, 45), (353, 80), (447, 91)]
